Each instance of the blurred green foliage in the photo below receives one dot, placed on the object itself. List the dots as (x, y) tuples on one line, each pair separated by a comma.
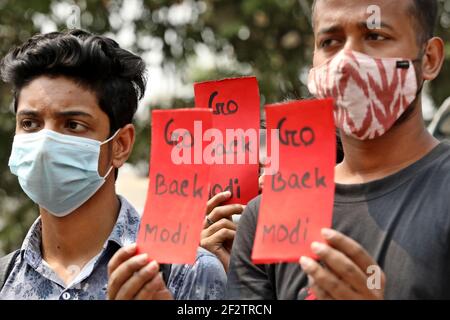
[(270, 39)]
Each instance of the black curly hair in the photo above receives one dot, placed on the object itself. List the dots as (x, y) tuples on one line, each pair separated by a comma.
[(97, 63)]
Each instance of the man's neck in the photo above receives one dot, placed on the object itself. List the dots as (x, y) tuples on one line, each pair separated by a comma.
[(75, 239), (371, 160)]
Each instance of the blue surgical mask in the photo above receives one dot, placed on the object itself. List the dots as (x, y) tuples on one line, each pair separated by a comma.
[(58, 172)]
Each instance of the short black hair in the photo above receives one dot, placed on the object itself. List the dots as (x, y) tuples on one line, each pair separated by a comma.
[(97, 63), (425, 13)]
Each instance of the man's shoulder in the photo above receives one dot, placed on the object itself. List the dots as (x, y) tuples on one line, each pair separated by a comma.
[(255, 202), (440, 167), (253, 206), (433, 167), (204, 280), (127, 225), (249, 217), (203, 254), (205, 262), (445, 146), (127, 207), (6, 264)]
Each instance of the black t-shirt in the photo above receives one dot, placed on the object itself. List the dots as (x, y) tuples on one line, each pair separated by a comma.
[(403, 221)]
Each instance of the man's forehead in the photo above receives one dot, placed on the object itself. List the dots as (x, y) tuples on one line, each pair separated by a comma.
[(337, 12), (55, 94), (56, 88)]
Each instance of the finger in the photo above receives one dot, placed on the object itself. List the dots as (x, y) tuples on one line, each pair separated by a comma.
[(152, 289), (341, 266), (225, 212), (318, 292), (164, 294), (326, 280), (221, 236), (122, 255), (216, 200), (131, 287), (216, 241), (220, 252), (124, 272), (350, 248), (221, 224), (216, 245)]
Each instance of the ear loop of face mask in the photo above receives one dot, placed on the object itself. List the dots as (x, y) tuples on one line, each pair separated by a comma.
[(404, 64), (106, 142)]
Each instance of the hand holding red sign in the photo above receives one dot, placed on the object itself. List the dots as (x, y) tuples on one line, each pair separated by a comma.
[(178, 193), (297, 202), (235, 105)]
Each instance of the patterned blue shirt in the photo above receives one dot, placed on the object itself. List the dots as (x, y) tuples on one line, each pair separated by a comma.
[(32, 278)]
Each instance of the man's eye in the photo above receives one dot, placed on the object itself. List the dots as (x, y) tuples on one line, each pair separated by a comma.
[(75, 126), (328, 43), (29, 125), (375, 37)]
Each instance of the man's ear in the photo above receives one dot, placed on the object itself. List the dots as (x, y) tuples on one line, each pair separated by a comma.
[(433, 58), (123, 145)]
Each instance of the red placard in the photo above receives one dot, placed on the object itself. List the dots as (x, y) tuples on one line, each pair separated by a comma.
[(297, 202), (236, 106), (178, 187)]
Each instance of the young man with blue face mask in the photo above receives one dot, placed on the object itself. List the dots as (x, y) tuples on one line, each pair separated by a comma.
[(391, 218), (75, 96)]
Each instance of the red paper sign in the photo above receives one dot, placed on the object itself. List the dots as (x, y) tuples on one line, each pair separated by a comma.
[(297, 202), (178, 187), (236, 106)]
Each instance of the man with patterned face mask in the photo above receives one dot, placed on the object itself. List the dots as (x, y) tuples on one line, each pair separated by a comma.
[(391, 219)]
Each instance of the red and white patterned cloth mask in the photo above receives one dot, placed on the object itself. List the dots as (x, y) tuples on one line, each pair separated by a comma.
[(370, 93)]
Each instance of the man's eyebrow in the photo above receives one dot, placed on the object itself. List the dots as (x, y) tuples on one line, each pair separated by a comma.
[(73, 114), (28, 113), (331, 29), (364, 25)]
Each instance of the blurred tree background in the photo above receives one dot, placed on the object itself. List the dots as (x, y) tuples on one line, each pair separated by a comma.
[(182, 42)]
